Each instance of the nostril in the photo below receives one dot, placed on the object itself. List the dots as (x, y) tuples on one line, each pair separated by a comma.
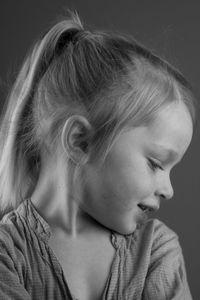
[(166, 196), (162, 196)]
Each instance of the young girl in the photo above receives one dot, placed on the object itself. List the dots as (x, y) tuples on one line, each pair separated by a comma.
[(91, 130)]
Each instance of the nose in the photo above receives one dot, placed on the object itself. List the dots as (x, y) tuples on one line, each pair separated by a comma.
[(164, 188)]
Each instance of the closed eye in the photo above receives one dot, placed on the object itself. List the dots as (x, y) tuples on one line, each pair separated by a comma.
[(154, 165)]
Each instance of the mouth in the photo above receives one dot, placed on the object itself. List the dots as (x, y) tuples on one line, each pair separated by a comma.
[(147, 208)]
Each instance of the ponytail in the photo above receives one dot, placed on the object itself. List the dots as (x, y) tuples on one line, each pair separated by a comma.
[(18, 146)]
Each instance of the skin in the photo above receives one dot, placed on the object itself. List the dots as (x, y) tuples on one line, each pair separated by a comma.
[(107, 196)]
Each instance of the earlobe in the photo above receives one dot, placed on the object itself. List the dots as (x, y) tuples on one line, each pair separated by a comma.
[(75, 138)]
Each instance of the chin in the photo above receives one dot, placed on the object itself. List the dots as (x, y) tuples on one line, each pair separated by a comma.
[(123, 225), (126, 229)]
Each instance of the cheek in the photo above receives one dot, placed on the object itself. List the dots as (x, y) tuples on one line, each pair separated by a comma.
[(110, 194), (127, 180)]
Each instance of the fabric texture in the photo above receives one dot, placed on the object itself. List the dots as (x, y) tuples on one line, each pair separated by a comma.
[(148, 264)]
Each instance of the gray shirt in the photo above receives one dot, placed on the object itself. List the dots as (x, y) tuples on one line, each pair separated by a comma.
[(148, 263)]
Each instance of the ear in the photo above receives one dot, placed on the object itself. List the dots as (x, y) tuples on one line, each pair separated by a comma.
[(75, 138)]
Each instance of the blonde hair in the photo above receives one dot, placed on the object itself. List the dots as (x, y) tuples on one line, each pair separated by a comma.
[(106, 77)]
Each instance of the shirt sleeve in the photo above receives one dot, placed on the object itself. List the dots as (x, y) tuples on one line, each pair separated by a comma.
[(10, 286), (166, 278)]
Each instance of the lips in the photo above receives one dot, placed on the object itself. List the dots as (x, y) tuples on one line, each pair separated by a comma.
[(148, 208)]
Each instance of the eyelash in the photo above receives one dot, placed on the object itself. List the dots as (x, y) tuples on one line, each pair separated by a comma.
[(154, 165)]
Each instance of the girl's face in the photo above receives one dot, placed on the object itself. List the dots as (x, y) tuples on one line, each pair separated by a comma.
[(136, 173)]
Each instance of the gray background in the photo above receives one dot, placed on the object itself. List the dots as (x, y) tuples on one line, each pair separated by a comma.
[(171, 28)]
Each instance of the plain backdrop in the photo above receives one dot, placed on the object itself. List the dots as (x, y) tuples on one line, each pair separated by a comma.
[(169, 28)]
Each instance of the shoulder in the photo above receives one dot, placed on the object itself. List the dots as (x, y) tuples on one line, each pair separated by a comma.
[(156, 239), (8, 229), (156, 232), (166, 274), (14, 273), (159, 240), (13, 233)]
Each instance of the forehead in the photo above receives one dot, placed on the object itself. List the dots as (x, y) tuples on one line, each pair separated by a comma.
[(172, 128), (168, 134)]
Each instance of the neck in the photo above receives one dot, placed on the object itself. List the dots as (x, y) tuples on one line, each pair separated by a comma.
[(53, 196), (57, 197)]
